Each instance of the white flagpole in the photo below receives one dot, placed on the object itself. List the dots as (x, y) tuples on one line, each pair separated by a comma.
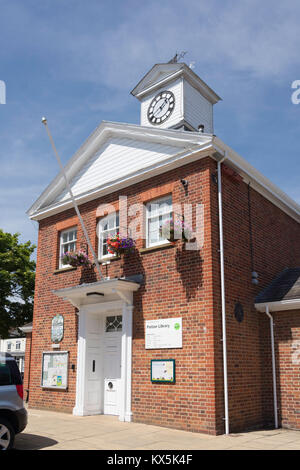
[(44, 121)]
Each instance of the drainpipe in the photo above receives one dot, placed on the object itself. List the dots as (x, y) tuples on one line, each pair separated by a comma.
[(224, 340), (29, 368), (273, 366)]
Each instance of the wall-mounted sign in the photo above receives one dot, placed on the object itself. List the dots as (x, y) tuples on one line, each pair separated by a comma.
[(163, 370), (164, 334), (55, 370), (57, 329)]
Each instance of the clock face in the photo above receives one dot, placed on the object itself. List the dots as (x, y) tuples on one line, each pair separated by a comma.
[(161, 107)]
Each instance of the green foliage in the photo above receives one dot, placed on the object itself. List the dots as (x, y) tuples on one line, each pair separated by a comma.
[(17, 275)]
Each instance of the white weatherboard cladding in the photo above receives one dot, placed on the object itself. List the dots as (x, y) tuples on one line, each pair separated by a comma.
[(197, 109), (177, 114), (117, 158)]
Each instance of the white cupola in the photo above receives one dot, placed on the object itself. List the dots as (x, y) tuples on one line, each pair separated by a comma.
[(173, 96)]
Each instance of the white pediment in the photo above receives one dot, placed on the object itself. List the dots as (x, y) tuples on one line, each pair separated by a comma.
[(115, 156), (161, 74), (156, 75)]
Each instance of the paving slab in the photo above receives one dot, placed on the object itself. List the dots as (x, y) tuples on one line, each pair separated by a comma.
[(51, 430)]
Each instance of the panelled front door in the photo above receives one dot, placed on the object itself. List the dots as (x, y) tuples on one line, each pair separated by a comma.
[(112, 364)]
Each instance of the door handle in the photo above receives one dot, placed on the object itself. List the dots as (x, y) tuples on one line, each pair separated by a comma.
[(94, 364)]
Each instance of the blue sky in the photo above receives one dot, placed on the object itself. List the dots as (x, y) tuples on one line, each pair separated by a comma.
[(76, 61)]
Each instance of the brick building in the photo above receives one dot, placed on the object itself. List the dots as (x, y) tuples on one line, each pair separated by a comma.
[(92, 348)]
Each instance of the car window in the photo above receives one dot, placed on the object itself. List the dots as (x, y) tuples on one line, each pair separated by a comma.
[(5, 374), (9, 371)]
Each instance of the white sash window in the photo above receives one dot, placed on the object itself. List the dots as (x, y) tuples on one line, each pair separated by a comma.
[(68, 239), (108, 227), (157, 212)]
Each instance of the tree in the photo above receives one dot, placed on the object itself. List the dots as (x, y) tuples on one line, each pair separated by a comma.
[(17, 275)]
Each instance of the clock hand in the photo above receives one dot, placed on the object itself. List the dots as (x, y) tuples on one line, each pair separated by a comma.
[(163, 105)]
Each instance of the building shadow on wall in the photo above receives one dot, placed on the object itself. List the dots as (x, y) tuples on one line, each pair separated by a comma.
[(88, 275), (189, 265), (132, 267), (288, 363)]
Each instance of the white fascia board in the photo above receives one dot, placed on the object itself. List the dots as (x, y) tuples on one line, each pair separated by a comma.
[(77, 295), (26, 329), (258, 181), (103, 286), (280, 306)]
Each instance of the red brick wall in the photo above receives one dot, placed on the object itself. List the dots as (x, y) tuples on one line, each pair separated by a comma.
[(181, 283), (275, 246), (287, 341), (177, 283)]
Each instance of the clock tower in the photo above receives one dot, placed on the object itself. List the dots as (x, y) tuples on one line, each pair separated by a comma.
[(173, 96)]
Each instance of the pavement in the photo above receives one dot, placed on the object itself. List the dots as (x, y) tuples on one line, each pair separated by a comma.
[(59, 431)]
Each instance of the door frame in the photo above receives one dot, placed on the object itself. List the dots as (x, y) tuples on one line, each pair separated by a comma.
[(125, 307)]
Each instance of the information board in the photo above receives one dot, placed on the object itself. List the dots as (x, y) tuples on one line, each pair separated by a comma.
[(165, 333), (163, 370), (55, 370)]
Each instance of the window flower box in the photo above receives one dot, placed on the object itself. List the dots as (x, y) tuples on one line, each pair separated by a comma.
[(173, 230), (119, 245), (76, 259)]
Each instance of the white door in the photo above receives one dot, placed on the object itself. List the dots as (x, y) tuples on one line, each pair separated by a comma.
[(94, 395), (112, 364)]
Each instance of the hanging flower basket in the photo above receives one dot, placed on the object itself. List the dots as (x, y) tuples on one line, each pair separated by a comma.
[(76, 258), (120, 245), (175, 230)]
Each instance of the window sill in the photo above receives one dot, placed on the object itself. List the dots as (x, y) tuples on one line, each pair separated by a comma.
[(64, 270), (106, 260), (156, 248)]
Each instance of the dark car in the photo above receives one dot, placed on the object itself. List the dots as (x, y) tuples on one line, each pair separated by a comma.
[(13, 415)]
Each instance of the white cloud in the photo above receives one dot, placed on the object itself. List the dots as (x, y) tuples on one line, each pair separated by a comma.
[(258, 37)]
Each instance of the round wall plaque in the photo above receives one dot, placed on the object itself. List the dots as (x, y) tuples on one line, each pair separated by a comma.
[(57, 329)]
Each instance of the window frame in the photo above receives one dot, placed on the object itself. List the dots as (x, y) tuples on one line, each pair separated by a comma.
[(148, 212), (61, 244), (116, 228), (118, 318)]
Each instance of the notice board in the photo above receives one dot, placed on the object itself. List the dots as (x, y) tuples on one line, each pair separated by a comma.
[(55, 369), (163, 370)]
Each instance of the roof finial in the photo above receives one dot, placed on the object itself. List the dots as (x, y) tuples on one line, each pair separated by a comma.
[(177, 57)]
